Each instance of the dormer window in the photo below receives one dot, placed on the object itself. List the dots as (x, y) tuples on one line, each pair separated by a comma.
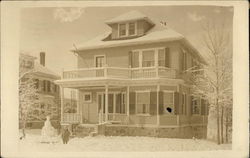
[(122, 30), (127, 29), (131, 28)]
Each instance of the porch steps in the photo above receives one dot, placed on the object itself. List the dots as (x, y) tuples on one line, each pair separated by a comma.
[(84, 130)]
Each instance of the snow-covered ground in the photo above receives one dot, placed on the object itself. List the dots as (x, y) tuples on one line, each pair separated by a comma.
[(117, 143)]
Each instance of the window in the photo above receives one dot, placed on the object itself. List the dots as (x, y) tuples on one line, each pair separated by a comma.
[(184, 60), (44, 85), (122, 30), (29, 64), (110, 103), (168, 100), (196, 106), (37, 83), (123, 103), (148, 58), (48, 86), (87, 97), (131, 29), (142, 102), (135, 59), (161, 57), (127, 29), (100, 61), (120, 103), (184, 104)]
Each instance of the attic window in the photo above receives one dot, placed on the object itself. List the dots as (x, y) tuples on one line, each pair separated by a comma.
[(127, 29), (131, 28), (122, 30)]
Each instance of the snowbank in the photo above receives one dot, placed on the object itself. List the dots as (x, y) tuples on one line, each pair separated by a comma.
[(118, 143)]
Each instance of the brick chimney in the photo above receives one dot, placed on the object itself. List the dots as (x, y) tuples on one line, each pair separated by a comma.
[(42, 58)]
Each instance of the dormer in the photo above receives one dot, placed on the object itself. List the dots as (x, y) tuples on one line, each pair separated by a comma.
[(130, 25)]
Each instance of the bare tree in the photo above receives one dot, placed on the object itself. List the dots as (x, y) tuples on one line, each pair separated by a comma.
[(213, 80)]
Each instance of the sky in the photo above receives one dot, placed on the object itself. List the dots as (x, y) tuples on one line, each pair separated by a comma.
[(55, 30)]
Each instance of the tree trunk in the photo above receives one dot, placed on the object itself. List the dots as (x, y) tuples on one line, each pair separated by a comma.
[(226, 128), (23, 128), (218, 121), (222, 124)]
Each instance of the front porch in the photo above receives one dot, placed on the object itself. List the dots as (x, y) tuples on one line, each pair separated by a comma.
[(122, 108), (133, 105)]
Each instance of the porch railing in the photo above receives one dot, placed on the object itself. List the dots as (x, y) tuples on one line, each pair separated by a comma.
[(71, 118), (113, 117), (121, 73)]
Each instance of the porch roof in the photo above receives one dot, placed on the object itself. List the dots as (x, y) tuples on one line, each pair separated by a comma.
[(80, 83)]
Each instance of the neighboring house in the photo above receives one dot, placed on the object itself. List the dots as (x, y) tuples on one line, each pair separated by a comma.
[(49, 96), (134, 81)]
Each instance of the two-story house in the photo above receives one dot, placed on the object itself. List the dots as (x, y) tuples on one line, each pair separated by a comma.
[(48, 92), (133, 80)]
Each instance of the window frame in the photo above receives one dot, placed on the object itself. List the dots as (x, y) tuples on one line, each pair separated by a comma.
[(198, 105), (120, 28), (184, 60), (173, 111), (135, 28), (87, 93), (184, 104), (104, 58), (156, 56), (127, 29), (164, 59), (136, 107)]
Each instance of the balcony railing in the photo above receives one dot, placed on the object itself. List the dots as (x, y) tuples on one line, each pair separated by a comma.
[(121, 73), (71, 118)]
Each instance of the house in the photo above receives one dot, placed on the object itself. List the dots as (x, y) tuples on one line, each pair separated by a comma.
[(48, 92), (133, 81)]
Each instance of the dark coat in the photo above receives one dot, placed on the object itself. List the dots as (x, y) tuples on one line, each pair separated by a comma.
[(65, 135)]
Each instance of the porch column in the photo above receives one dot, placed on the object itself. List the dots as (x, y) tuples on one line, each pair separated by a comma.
[(157, 104), (127, 103), (79, 108), (156, 64), (62, 102), (106, 103)]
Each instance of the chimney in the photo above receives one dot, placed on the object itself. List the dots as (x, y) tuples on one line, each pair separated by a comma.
[(42, 58)]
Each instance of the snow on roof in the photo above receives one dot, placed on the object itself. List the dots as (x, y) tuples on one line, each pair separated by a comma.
[(158, 33), (27, 55), (152, 36), (38, 68), (132, 15)]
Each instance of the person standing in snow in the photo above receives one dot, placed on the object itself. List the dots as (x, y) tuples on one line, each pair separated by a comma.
[(65, 136)]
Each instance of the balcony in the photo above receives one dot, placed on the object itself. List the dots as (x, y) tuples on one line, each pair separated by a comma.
[(121, 73)]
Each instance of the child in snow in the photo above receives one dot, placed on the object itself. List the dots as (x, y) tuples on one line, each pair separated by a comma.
[(65, 136)]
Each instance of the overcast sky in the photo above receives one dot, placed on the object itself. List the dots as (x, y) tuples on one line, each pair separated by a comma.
[(55, 30)]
